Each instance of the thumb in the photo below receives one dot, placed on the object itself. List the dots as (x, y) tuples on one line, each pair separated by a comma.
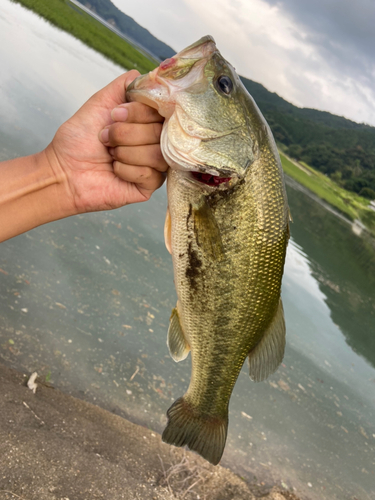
[(115, 92)]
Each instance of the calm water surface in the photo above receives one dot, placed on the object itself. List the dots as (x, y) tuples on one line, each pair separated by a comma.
[(86, 301)]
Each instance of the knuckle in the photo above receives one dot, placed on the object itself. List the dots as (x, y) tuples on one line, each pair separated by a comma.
[(114, 153), (116, 133), (120, 154), (146, 173), (117, 168)]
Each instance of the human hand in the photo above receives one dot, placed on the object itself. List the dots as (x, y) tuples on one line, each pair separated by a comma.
[(78, 152)]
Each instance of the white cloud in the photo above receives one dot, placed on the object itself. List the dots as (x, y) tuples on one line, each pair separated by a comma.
[(267, 43)]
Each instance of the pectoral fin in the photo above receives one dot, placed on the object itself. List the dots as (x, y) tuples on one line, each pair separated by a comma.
[(168, 231), (266, 357), (177, 344), (207, 232)]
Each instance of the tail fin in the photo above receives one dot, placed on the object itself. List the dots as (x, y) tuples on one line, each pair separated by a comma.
[(201, 433)]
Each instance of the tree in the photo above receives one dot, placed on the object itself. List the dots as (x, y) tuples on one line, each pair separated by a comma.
[(367, 193)]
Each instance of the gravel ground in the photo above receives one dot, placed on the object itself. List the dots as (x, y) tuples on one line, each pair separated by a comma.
[(56, 447)]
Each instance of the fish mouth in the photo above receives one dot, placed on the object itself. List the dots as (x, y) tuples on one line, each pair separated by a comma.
[(209, 179), (158, 87)]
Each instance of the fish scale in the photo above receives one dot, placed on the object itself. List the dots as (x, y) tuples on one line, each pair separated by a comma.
[(227, 229)]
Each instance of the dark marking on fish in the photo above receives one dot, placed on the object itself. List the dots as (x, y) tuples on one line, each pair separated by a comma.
[(193, 268), (220, 195), (189, 216), (207, 233)]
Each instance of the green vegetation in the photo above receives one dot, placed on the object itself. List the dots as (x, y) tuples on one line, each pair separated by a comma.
[(340, 148), (61, 13), (350, 204), (106, 10)]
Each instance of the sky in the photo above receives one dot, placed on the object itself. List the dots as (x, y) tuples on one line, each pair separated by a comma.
[(313, 53)]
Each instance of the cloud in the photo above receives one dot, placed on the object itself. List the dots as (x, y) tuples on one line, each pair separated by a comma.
[(338, 23), (343, 36), (314, 54)]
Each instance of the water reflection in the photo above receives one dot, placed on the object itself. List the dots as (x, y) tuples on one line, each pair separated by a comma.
[(44, 85), (343, 265)]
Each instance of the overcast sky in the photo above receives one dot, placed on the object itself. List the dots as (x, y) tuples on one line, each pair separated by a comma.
[(314, 53)]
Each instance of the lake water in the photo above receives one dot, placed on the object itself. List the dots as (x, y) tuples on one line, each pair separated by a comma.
[(86, 301)]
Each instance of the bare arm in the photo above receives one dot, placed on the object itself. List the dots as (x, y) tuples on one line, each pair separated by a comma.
[(77, 173), (31, 194)]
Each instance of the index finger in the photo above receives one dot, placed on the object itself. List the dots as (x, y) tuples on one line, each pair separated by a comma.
[(135, 112)]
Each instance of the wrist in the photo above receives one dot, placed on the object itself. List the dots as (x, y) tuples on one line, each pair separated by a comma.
[(63, 198), (33, 191)]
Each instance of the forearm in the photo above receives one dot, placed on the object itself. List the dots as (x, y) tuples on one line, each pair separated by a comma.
[(31, 194), (76, 173)]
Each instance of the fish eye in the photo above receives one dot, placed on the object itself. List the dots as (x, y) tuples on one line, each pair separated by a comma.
[(224, 84)]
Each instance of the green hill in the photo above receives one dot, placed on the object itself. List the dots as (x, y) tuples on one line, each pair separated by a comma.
[(334, 145), (110, 13)]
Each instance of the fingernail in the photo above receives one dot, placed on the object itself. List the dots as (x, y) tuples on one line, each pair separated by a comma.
[(111, 151), (119, 114), (104, 135)]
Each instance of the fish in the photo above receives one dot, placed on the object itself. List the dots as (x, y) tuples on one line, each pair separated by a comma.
[(227, 228)]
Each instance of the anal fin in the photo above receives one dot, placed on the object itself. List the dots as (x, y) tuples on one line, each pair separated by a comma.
[(266, 357), (177, 344)]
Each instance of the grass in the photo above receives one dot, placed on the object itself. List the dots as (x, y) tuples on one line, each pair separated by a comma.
[(350, 204), (64, 15)]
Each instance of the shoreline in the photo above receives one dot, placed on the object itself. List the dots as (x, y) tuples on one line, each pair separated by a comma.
[(347, 205), (56, 447), (70, 18)]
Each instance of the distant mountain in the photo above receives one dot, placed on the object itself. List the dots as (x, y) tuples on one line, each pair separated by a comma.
[(127, 25), (272, 101), (340, 148)]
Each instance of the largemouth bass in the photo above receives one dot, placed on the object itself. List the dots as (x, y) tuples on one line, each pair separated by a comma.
[(227, 229)]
